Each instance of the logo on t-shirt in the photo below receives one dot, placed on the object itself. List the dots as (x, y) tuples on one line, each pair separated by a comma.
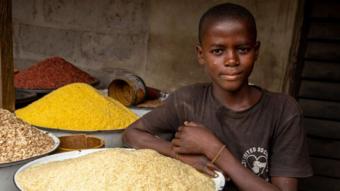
[(256, 159)]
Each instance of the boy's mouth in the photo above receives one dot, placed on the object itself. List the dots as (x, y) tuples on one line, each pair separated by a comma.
[(230, 76)]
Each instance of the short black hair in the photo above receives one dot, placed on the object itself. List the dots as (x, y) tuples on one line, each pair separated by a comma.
[(227, 11)]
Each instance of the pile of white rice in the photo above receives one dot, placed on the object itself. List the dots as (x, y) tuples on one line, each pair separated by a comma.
[(116, 170)]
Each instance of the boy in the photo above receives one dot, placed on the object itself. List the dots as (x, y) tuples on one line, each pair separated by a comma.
[(254, 136)]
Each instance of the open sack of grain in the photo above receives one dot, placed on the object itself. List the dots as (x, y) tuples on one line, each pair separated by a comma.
[(113, 169)]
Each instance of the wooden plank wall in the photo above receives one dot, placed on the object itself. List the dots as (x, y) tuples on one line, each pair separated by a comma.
[(319, 93)]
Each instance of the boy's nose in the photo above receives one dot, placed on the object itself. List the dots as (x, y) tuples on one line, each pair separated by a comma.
[(231, 59)]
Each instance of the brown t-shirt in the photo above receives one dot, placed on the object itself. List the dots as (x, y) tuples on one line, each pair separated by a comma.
[(267, 138)]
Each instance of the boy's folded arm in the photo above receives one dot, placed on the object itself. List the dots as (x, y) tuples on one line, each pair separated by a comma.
[(141, 139)]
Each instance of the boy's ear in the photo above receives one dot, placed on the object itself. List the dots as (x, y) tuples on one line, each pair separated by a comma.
[(257, 48), (199, 53)]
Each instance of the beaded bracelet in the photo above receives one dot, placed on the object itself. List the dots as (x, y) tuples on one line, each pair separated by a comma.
[(217, 156)]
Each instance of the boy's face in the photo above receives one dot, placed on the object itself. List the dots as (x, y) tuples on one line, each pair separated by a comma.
[(228, 52)]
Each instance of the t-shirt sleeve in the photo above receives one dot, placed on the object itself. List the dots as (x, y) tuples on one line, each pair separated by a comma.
[(163, 119), (289, 152)]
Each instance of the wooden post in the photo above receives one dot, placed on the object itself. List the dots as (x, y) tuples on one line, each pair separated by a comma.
[(7, 91)]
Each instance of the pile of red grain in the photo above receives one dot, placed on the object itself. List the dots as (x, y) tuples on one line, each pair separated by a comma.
[(51, 73)]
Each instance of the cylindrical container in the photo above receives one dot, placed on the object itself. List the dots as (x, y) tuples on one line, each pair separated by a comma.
[(127, 88), (152, 93)]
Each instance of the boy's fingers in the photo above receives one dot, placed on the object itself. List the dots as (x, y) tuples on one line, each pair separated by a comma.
[(209, 172), (212, 166), (175, 142), (190, 123), (177, 150), (176, 146), (178, 135)]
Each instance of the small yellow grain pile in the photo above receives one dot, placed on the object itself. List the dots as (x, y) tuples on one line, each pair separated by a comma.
[(19, 140), (77, 107), (116, 170)]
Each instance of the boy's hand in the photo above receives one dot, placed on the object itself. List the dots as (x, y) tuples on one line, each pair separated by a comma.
[(193, 138), (200, 163)]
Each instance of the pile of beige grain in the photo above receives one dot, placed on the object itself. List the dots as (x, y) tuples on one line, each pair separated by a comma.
[(19, 140), (118, 170)]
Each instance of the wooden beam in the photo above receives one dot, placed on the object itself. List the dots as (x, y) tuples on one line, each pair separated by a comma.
[(326, 167), (291, 81), (325, 51), (7, 91), (320, 109), (322, 71), (322, 128), (322, 90), (326, 148)]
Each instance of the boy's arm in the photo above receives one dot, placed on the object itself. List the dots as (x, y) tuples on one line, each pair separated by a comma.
[(194, 138), (141, 139), (143, 133)]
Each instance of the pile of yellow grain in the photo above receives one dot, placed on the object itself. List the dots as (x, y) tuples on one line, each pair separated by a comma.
[(78, 107), (116, 170)]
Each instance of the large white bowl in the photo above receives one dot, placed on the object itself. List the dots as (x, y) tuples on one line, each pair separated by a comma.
[(219, 181)]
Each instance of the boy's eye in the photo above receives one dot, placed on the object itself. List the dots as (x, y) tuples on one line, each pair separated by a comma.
[(217, 51), (243, 50)]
